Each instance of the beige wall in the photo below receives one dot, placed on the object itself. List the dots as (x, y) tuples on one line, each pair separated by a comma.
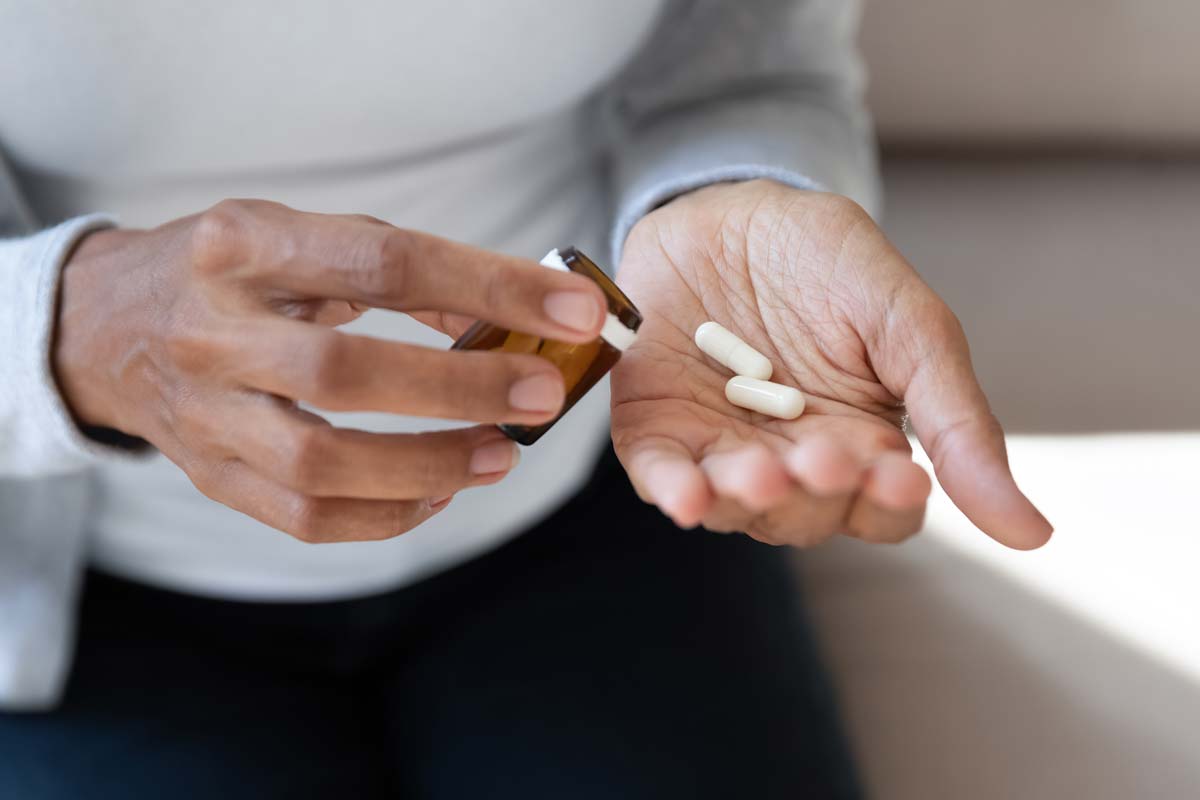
[(1078, 282), (1015, 72)]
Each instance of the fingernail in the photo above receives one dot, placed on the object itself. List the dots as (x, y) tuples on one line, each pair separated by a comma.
[(494, 457), (441, 502), (536, 393), (576, 310)]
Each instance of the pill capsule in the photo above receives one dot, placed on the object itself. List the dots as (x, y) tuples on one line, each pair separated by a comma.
[(725, 346), (773, 399)]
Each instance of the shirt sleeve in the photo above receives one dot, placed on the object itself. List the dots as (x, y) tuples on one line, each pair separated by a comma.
[(37, 433), (734, 91)]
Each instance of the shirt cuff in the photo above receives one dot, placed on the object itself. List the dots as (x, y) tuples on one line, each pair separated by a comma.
[(656, 194), (38, 435), (804, 145)]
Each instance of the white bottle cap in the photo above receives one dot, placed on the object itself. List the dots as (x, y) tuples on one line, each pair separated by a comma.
[(615, 332)]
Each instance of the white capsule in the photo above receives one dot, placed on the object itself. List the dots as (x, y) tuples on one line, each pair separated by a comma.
[(725, 346), (773, 399)]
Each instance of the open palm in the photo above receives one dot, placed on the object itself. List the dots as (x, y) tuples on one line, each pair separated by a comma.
[(808, 280)]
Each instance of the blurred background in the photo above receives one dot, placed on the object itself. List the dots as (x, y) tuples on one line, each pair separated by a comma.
[(1042, 171)]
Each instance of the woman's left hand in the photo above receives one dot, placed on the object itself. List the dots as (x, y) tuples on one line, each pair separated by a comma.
[(811, 282)]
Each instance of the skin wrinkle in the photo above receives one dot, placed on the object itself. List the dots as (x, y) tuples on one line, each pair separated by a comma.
[(727, 516), (733, 303), (820, 288), (676, 363), (758, 296), (223, 468), (685, 336), (727, 253), (747, 302), (814, 380), (747, 265), (735, 295), (938, 449), (834, 275), (889, 402), (667, 259), (205, 311), (706, 445), (920, 358), (890, 328), (680, 274)]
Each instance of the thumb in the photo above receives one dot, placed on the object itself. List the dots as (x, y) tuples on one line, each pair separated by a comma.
[(930, 363)]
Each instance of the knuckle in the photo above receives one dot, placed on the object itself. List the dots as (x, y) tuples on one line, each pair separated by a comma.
[(404, 518), (367, 218), (305, 466), (844, 208), (719, 523), (897, 536), (893, 531), (946, 324), (383, 269), (205, 482), (847, 222), (326, 374), (801, 536), (862, 532), (188, 350), (211, 478), (191, 424), (938, 326), (216, 235), (306, 520), (767, 536), (942, 440)]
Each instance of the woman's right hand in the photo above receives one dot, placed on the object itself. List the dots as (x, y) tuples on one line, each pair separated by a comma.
[(201, 337)]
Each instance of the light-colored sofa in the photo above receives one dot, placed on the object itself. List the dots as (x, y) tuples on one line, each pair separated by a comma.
[(1039, 177)]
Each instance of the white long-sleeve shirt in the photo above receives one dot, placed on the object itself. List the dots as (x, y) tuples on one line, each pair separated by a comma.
[(517, 127)]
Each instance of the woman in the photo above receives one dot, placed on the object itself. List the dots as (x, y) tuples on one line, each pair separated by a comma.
[(538, 631)]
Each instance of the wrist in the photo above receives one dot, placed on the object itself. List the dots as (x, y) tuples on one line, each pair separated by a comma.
[(82, 332)]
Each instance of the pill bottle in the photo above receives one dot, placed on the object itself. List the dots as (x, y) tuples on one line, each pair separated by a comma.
[(581, 365)]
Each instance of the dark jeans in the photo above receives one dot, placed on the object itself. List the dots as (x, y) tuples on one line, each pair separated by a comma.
[(603, 654)]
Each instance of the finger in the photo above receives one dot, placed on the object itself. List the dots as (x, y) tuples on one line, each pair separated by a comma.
[(727, 515), (453, 325), (827, 477), (893, 481), (965, 442), (305, 453), (365, 262), (310, 519), (891, 505), (664, 473), (823, 466), (804, 519), (752, 476), (801, 520), (343, 372), (873, 523)]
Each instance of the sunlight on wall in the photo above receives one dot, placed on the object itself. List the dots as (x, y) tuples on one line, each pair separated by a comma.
[(1126, 551)]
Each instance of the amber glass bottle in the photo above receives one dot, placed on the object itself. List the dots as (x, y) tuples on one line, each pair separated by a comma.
[(582, 365)]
